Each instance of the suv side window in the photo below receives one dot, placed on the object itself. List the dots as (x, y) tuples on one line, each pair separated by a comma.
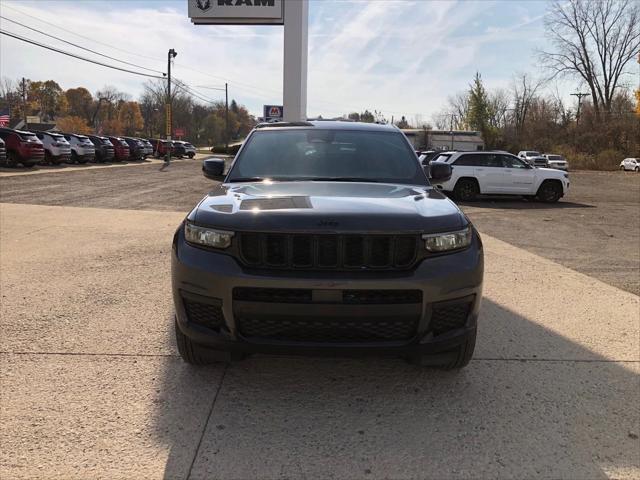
[(40, 136), (489, 160), (468, 160), (512, 162)]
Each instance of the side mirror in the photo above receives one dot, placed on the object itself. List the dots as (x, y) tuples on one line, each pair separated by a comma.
[(440, 171), (213, 168)]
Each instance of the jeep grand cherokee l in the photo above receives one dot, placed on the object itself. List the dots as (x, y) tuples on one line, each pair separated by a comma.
[(326, 237)]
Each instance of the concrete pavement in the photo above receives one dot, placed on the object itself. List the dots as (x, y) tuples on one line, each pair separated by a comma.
[(91, 385)]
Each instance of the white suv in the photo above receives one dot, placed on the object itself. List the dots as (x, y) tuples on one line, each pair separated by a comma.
[(528, 155), (500, 173), (56, 148), (630, 164), (82, 149), (557, 161)]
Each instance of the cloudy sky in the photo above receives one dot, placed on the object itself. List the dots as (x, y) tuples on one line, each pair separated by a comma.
[(399, 57)]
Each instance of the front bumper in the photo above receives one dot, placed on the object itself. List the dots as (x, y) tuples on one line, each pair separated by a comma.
[(210, 277)]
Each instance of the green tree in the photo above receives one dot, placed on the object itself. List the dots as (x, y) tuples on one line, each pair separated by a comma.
[(480, 112), (367, 117)]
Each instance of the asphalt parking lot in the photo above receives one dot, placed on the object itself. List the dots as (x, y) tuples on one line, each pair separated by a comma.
[(92, 387)]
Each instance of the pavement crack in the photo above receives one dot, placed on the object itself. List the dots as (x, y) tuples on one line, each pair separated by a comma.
[(90, 354), (204, 429), (564, 360)]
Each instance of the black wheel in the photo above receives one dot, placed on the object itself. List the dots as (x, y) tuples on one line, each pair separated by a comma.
[(549, 192), (637, 169), (451, 360), (12, 159), (466, 190), (29, 164), (73, 158), (197, 355), (191, 154), (463, 354), (622, 167)]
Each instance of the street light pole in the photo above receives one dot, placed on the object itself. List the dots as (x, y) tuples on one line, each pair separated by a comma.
[(226, 113), (172, 54)]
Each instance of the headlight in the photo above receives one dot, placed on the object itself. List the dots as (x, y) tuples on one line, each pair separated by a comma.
[(442, 242), (207, 236)]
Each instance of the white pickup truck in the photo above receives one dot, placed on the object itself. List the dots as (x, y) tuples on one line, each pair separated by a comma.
[(500, 173)]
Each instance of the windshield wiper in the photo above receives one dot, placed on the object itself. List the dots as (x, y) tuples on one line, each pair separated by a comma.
[(343, 179)]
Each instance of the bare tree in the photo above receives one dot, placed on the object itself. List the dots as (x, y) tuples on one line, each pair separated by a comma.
[(594, 40), (524, 91)]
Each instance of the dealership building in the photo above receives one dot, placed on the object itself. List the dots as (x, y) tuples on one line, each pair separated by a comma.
[(425, 139)]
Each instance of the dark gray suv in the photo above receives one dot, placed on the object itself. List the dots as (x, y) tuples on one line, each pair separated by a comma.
[(327, 238)]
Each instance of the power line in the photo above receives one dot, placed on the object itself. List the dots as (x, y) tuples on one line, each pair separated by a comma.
[(63, 52), (247, 87), (5, 5), (79, 46)]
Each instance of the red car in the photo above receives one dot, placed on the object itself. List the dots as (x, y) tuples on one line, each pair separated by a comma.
[(22, 147), (160, 147), (121, 149)]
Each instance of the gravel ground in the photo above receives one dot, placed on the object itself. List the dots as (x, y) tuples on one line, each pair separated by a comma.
[(594, 230)]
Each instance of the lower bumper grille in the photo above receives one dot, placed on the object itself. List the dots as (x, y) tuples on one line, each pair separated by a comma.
[(328, 330), (349, 297), (204, 314), (447, 316)]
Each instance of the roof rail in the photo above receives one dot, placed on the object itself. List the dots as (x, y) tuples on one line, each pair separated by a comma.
[(284, 124)]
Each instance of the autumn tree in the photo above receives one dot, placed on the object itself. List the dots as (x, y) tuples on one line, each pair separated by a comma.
[(593, 41), (47, 98), (130, 117), (80, 103), (74, 124)]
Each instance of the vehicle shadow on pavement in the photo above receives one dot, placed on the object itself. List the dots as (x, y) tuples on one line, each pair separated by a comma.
[(558, 410)]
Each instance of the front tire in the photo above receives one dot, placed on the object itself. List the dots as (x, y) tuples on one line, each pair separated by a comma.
[(466, 190), (622, 168), (194, 354), (549, 192), (451, 360), (637, 169), (191, 154)]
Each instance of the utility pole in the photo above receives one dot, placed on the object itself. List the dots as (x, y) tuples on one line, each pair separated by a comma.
[(24, 103), (451, 125), (171, 55), (226, 114), (579, 95)]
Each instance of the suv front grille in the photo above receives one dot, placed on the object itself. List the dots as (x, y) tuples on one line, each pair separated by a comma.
[(328, 251), (328, 330)]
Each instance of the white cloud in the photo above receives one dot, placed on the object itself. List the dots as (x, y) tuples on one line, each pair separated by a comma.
[(399, 57)]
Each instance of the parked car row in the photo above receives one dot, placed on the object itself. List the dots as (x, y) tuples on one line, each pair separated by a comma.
[(55, 148)]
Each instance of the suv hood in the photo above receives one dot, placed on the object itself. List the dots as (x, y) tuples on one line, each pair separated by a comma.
[(327, 207)]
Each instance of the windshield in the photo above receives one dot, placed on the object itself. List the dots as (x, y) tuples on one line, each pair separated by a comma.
[(532, 154), (332, 155)]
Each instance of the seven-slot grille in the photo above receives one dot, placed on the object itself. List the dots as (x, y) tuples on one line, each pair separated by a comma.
[(331, 251)]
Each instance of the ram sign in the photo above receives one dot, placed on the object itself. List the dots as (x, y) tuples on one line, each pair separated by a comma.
[(236, 12)]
